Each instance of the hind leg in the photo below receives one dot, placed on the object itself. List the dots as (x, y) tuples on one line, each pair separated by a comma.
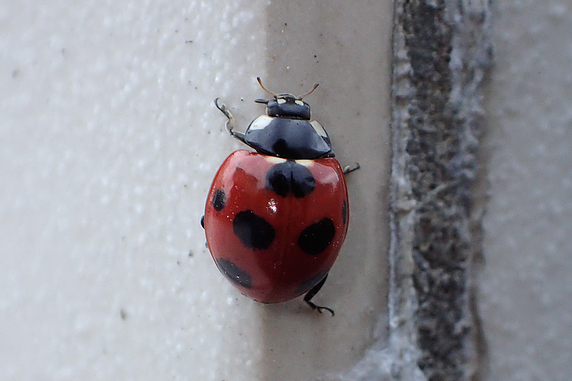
[(310, 294)]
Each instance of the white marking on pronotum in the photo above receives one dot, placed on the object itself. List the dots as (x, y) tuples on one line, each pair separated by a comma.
[(261, 122), (319, 129)]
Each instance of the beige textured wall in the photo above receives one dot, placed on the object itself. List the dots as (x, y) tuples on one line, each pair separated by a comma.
[(526, 287), (109, 140)]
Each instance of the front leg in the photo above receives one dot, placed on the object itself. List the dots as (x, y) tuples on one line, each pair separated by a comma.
[(230, 123), (349, 169)]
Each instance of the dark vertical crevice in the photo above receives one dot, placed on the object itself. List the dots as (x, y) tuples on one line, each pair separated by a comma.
[(442, 51)]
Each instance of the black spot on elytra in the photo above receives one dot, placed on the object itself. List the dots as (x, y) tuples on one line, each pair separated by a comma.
[(219, 199), (345, 212), (316, 237), (307, 284), (235, 274), (289, 177), (252, 230)]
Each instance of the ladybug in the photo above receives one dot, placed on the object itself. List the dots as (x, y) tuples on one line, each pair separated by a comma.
[(275, 219)]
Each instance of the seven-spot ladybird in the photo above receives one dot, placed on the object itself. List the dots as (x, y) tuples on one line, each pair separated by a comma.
[(275, 219)]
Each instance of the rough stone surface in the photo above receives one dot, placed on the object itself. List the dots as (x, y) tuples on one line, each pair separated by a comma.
[(442, 51)]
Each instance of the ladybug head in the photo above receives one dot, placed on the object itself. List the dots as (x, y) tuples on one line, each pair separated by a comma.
[(287, 131), (286, 105)]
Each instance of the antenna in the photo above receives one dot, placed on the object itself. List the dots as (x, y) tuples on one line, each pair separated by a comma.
[(264, 88), (310, 92)]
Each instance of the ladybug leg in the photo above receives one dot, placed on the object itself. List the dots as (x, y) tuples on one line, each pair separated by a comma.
[(350, 169), (230, 123), (310, 294)]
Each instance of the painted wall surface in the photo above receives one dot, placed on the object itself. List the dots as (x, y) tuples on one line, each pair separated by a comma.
[(109, 140), (526, 288)]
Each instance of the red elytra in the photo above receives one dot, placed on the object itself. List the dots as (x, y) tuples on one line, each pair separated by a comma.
[(275, 219), (273, 263)]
